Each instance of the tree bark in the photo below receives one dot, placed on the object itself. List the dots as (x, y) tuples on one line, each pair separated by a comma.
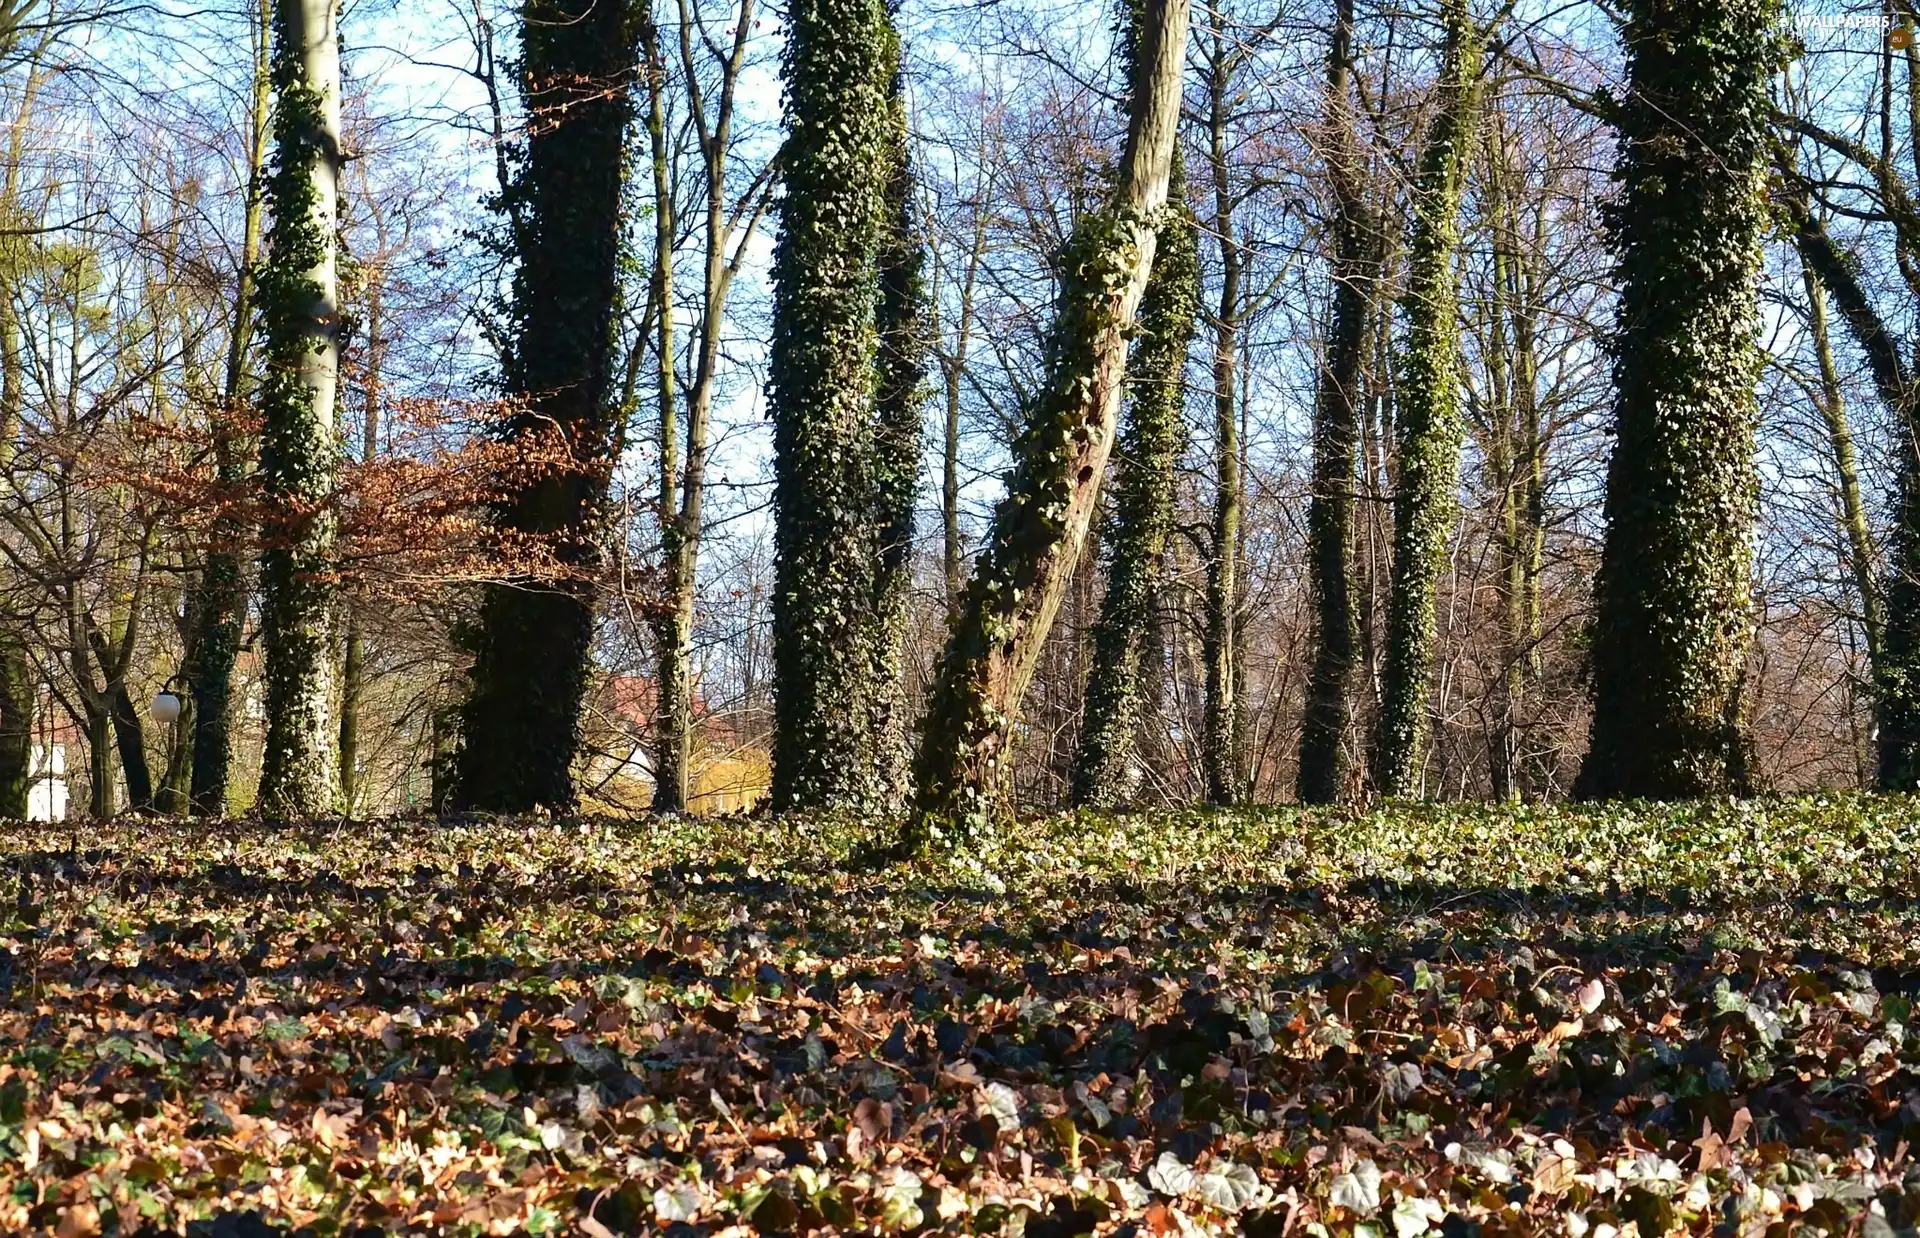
[(1673, 595), (301, 321), (521, 723), (1038, 530)]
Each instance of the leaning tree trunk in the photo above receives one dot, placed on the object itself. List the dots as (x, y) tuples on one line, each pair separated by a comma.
[(1427, 411), (1142, 506), (1336, 434), (1673, 595), (521, 723), (1038, 529), (300, 320), (904, 344), (839, 60), (1892, 612)]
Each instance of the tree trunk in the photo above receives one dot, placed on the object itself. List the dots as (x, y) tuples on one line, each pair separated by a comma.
[(839, 59), (1892, 612), (100, 797), (1022, 572), (673, 624), (18, 691), (904, 342), (1220, 747), (521, 723), (1852, 511), (301, 321), (1143, 506), (1336, 434), (1427, 412), (953, 369), (353, 658), (1673, 595)]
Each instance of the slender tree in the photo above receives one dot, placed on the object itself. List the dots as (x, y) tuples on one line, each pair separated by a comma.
[(1143, 504), (1336, 430), (1673, 603), (521, 724), (219, 605), (726, 231), (1427, 411), (1021, 574), (1220, 746), (300, 322), (905, 341), (837, 67), (1892, 609)]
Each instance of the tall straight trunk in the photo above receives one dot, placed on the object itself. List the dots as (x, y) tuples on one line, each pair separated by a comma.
[(1673, 596), (353, 657), (683, 485), (1038, 530), (18, 675), (953, 369), (521, 722), (219, 605), (1522, 532), (1143, 506), (300, 317), (904, 340), (1336, 434), (1220, 742), (838, 64), (1427, 419), (673, 623)]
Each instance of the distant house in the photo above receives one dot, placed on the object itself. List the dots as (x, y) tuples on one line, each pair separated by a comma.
[(730, 773), (47, 766)]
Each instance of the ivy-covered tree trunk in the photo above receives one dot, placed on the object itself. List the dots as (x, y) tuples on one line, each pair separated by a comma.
[(1150, 445), (1336, 433), (300, 322), (1427, 410), (521, 722), (905, 341), (1673, 598), (1038, 530), (220, 602), (838, 66)]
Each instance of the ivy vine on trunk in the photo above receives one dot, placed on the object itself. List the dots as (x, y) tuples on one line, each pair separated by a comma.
[(1040, 526), (905, 342), (1143, 515), (300, 326), (838, 66), (1673, 595), (1427, 421)]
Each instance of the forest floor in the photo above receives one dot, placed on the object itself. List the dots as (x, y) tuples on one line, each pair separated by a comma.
[(1447, 1020)]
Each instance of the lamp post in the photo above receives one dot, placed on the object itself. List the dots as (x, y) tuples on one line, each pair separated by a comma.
[(169, 701)]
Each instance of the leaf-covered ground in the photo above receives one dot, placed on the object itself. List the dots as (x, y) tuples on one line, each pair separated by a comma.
[(1453, 1021)]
